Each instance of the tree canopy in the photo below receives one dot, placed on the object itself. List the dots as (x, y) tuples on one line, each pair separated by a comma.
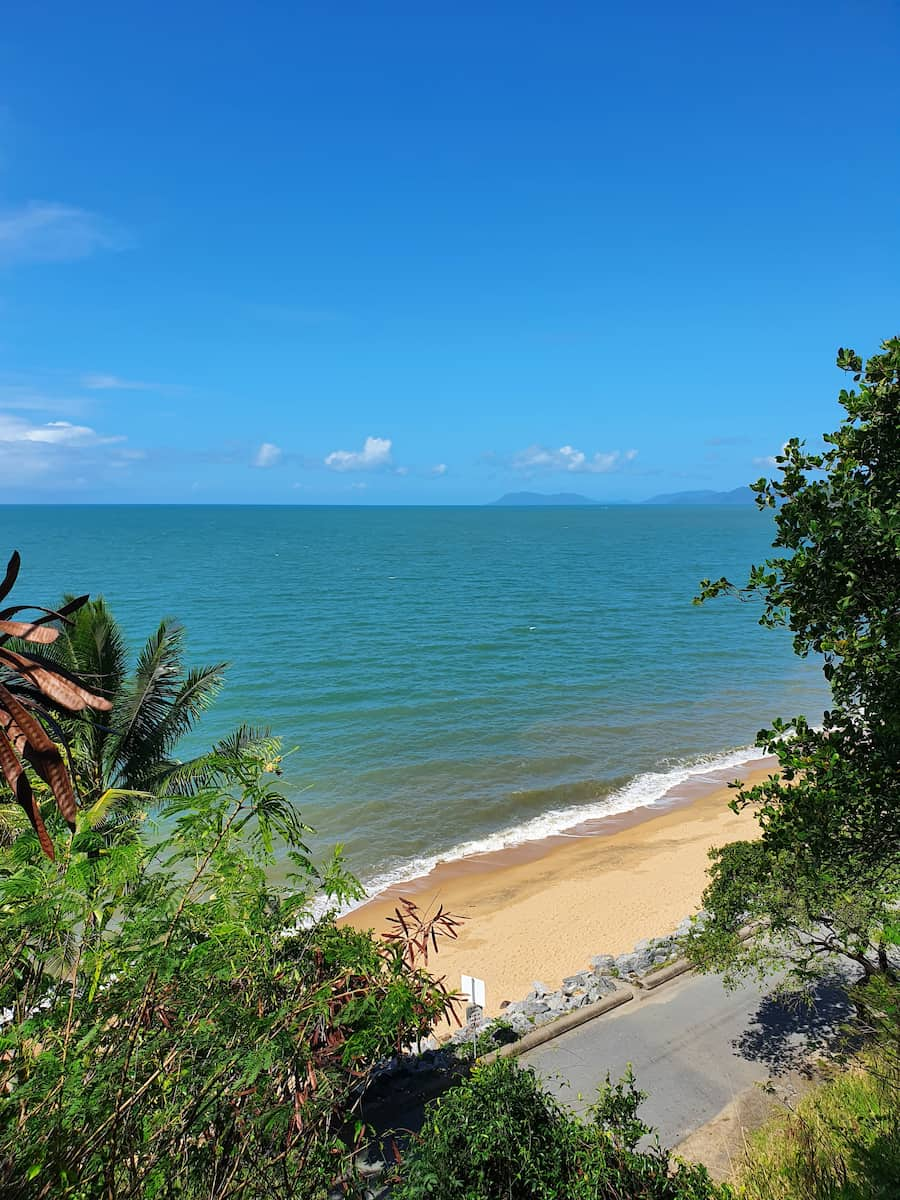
[(826, 874)]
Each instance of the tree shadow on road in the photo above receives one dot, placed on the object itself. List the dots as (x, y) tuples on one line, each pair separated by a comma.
[(789, 1032)]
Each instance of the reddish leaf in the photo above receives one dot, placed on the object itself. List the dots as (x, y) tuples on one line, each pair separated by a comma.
[(43, 754), (53, 683), (12, 574), (29, 632), (21, 788)]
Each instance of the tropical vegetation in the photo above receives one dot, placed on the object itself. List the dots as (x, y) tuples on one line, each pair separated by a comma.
[(825, 875), (501, 1135), (179, 1018), (174, 1022)]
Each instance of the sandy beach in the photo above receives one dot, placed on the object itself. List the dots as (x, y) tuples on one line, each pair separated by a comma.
[(540, 910)]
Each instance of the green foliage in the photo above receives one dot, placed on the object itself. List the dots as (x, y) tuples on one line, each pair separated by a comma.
[(126, 756), (842, 1141), (826, 875), (180, 1024), (837, 513), (500, 1136)]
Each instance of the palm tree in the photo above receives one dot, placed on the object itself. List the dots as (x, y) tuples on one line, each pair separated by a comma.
[(126, 756)]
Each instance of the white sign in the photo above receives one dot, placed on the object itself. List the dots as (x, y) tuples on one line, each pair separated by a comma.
[(474, 989)]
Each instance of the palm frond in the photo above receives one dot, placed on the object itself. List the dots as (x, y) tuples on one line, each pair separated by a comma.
[(145, 700), (113, 802), (187, 778), (192, 696)]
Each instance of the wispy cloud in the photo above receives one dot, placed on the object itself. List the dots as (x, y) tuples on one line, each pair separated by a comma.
[(56, 453), (375, 453), (268, 455), (115, 383), (567, 458), (439, 469), (55, 233), (52, 433)]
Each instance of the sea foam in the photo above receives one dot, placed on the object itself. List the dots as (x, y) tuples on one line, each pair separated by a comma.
[(643, 791)]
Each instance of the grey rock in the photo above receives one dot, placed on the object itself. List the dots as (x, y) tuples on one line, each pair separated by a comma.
[(626, 963), (643, 962), (572, 983), (603, 963), (642, 945), (601, 987), (534, 1008), (539, 989), (517, 1006), (519, 1023)]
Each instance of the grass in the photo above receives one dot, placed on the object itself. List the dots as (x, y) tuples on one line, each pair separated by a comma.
[(841, 1142)]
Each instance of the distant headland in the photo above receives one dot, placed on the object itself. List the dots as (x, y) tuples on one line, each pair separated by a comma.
[(540, 500), (737, 496)]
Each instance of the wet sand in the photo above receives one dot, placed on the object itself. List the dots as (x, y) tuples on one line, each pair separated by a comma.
[(540, 910)]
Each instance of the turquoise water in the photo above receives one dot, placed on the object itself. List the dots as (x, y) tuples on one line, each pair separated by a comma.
[(453, 677)]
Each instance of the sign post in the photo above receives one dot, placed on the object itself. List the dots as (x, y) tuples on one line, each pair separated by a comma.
[(474, 991)]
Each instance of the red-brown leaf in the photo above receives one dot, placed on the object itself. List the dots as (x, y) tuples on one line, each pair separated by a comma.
[(29, 631), (51, 768), (43, 754), (12, 574), (54, 684), (21, 788)]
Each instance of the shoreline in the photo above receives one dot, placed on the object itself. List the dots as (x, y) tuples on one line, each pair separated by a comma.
[(540, 909)]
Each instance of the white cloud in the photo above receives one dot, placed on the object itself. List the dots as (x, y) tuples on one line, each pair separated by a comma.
[(439, 469), (53, 433), (103, 383), (769, 460), (268, 455), (567, 458), (376, 452), (55, 233), (50, 452)]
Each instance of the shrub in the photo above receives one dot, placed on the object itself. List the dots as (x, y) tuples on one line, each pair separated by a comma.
[(178, 1024), (500, 1136)]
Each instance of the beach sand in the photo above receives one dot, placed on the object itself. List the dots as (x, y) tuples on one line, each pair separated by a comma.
[(541, 910)]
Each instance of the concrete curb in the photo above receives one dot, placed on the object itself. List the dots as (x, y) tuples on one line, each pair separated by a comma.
[(546, 1033), (680, 965), (664, 974), (571, 1020)]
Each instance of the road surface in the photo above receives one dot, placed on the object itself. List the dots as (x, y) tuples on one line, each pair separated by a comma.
[(693, 1047)]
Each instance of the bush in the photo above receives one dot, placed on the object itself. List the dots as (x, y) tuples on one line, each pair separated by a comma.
[(842, 1141), (179, 1025), (500, 1136)]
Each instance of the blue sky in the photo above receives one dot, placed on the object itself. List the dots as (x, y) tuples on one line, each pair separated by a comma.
[(390, 253)]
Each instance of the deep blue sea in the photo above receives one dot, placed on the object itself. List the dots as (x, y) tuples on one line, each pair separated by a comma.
[(453, 678)]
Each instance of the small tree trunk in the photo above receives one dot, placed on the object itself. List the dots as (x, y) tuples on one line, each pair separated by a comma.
[(883, 964)]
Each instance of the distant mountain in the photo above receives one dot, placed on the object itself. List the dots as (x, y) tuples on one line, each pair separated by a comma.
[(738, 495), (539, 500)]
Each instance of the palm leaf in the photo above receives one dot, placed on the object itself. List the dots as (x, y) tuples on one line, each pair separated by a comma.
[(110, 803), (192, 698), (187, 778)]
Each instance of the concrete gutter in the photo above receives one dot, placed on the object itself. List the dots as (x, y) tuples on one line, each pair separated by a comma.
[(571, 1020), (580, 1016)]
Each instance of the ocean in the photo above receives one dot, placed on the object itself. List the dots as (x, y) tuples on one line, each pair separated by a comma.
[(453, 679)]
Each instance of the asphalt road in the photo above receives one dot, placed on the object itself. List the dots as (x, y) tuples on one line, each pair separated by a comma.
[(693, 1047)]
